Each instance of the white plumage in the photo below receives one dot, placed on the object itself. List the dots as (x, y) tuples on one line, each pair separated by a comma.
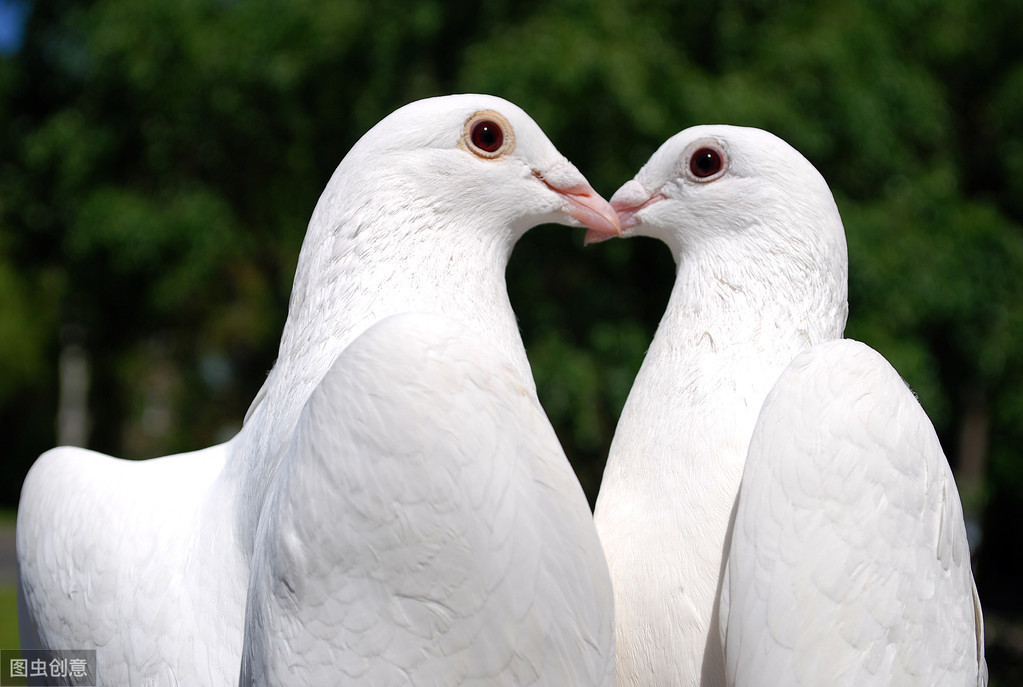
[(848, 562), (811, 597), (149, 562), (761, 275), (427, 529), (139, 561)]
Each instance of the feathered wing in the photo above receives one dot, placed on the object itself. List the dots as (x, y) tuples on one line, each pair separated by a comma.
[(849, 563), (93, 574), (427, 529)]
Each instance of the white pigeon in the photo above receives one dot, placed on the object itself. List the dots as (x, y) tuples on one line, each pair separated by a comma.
[(811, 596), (761, 275), (848, 563), (427, 529), (148, 562)]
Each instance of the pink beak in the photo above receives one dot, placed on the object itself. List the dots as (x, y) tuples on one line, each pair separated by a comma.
[(586, 206), (629, 200)]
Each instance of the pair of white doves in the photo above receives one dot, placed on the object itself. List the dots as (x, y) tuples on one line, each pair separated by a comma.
[(397, 510)]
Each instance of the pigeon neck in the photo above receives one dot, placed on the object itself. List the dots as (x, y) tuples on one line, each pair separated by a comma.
[(351, 275), (715, 315), (761, 305), (723, 340)]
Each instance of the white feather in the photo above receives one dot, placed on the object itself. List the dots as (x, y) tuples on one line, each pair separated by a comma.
[(136, 560), (761, 276), (148, 562), (849, 563), (815, 592), (427, 529)]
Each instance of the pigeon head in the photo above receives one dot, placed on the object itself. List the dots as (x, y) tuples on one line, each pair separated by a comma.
[(710, 183), (740, 207), (422, 214), (479, 157)]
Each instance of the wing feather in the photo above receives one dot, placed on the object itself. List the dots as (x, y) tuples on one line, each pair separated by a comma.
[(848, 563), (427, 529), (93, 574)]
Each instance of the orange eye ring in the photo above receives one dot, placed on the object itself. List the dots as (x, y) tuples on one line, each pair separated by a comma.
[(488, 135)]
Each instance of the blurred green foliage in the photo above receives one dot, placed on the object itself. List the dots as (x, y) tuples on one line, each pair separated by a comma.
[(161, 160), (9, 616)]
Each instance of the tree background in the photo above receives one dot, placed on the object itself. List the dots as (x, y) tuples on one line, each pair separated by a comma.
[(160, 161)]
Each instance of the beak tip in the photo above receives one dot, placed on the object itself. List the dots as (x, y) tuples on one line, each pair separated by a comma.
[(587, 207), (598, 232), (595, 236), (597, 215)]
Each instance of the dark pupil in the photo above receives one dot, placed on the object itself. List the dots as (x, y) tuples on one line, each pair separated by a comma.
[(487, 136), (705, 162)]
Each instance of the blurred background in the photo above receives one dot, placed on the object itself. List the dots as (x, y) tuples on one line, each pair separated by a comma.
[(160, 161)]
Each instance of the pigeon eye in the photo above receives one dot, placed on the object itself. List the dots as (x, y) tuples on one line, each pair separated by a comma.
[(705, 162), (488, 135)]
